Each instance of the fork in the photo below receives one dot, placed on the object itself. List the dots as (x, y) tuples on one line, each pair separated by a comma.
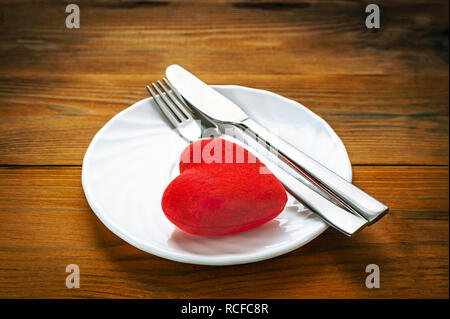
[(173, 106)]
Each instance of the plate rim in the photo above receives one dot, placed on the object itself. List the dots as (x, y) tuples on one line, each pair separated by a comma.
[(204, 260)]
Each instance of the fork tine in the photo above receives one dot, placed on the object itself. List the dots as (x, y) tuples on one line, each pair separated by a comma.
[(175, 122), (181, 106), (174, 90), (169, 104)]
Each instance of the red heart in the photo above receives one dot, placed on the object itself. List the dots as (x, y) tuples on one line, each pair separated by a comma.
[(222, 189)]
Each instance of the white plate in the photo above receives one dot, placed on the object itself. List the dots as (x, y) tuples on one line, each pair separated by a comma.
[(134, 156)]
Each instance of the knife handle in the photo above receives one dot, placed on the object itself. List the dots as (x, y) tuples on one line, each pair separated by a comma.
[(335, 216), (364, 204)]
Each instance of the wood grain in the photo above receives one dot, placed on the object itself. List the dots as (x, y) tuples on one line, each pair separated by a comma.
[(46, 224), (384, 92)]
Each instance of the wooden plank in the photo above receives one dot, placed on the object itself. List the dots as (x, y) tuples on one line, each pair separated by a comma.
[(46, 224), (385, 93), (406, 124), (317, 38)]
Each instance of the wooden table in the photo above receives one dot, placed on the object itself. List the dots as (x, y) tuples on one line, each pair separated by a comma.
[(385, 92)]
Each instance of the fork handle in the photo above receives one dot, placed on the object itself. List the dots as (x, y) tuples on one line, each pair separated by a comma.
[(364, 204), (335, 216)]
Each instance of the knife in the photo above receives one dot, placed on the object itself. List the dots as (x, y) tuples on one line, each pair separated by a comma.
[(223, 111)]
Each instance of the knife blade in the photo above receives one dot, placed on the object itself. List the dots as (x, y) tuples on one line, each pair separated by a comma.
[(221, 110)]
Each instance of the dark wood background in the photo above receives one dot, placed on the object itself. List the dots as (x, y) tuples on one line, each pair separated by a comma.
[(385, 92)]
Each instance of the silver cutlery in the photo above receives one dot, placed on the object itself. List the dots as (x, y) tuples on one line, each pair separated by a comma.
[(221, 110), (172, 105)]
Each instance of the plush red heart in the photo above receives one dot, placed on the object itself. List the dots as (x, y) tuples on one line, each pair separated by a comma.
[(222, 189)]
